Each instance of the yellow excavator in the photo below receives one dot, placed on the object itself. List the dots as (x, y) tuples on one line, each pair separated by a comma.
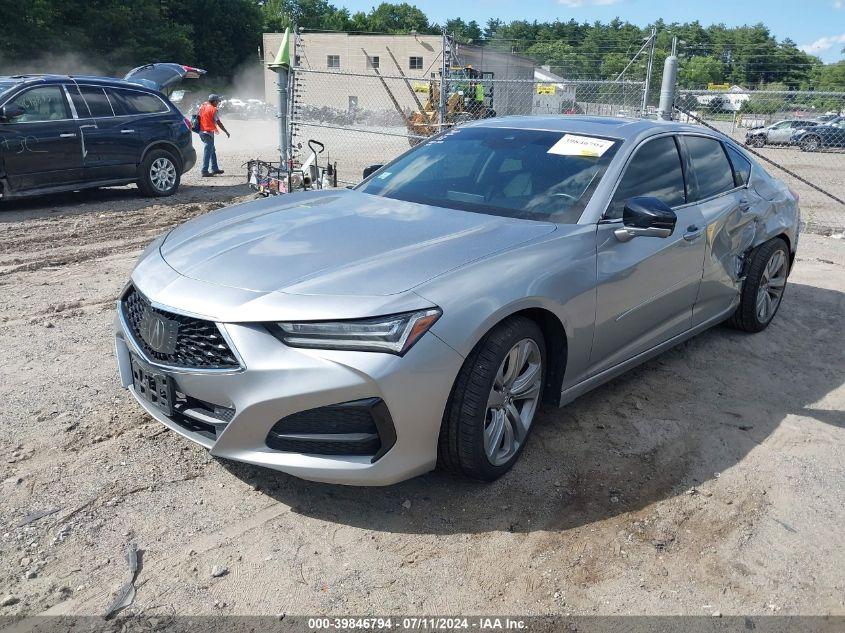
[(469, 97)]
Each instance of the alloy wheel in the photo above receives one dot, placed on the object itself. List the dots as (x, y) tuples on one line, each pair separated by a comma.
[(811, 144), (513, 401), (163, 174), (772, 284)]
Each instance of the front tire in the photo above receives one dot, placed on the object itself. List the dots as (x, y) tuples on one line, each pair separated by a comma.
[(159, 174), (765, 283), (493, 402)]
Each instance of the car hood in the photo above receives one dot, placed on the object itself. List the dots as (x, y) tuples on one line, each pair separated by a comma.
[(337, 242)]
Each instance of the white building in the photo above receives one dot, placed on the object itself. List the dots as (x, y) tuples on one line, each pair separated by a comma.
[(732, 100), (552, 94)]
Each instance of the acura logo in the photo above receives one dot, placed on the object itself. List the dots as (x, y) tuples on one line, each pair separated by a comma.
[(158, 332)]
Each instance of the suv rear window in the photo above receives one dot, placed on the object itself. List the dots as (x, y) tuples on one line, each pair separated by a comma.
[(712, 174), (97, 101), (136, 102)]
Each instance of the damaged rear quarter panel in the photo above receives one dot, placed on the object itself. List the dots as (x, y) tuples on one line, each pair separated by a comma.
[(736, 223)]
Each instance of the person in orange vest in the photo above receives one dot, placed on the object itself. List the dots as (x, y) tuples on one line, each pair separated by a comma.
[(209, 122)]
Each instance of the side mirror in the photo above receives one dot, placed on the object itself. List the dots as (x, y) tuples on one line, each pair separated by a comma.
[(372, 168), (10, 111), (646, 217)]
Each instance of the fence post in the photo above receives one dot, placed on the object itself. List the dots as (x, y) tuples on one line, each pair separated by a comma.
[(647, 86), (444, 70), (281, 66), (668, 85)]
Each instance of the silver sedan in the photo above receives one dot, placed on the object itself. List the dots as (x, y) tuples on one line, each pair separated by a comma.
[(365, 336)]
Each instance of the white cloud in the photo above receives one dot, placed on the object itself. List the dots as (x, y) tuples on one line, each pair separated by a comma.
[(838, 4), (823, 44), (575, 4)]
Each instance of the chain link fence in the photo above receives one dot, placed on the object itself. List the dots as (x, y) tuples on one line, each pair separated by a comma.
[(370, 118), (369, 99), (801, 131)]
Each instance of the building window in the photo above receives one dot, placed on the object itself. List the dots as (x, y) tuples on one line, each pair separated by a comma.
[(372, 61), (415, 63), (332, 61)]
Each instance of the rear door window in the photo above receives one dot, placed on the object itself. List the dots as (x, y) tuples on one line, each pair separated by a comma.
[(98, 102), (654, 171), (712, 174), (741, 166), (136, 102)]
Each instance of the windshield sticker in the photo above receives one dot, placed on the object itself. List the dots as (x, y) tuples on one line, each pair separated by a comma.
[(573, 145), (383, 176)]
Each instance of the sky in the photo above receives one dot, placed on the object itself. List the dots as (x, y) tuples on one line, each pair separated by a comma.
[(817, 26)]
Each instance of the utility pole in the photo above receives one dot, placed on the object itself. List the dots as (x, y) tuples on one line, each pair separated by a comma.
[(653, 39)]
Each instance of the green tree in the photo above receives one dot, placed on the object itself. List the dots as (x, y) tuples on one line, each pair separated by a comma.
[(698, 71), (398, 18), (464, 31)]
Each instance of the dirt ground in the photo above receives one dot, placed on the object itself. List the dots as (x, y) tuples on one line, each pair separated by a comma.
[(709, 480)]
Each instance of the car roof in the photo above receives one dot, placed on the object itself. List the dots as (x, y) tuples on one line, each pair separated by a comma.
[(47, 78), (622, 128)]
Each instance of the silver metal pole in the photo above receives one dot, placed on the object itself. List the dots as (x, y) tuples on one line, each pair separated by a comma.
[(282, 84), (444, 71), (653, 39), (669, 84)]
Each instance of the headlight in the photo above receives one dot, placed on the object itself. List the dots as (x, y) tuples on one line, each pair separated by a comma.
[(395, 333)]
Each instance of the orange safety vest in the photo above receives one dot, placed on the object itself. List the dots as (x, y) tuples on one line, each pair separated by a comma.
[(208, 118)]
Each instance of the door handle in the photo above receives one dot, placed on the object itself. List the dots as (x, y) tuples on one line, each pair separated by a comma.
[(693, 233), (68, 135), (127, 131)]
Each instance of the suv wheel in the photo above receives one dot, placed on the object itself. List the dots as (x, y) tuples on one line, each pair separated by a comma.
[(763, 288), (159, 174), (490, 412), (757, 141), (810, 143)]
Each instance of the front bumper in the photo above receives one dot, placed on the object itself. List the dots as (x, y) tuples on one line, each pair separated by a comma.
[(276, 381)]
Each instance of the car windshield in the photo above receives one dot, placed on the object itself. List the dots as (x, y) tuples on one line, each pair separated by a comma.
[(529, 174)]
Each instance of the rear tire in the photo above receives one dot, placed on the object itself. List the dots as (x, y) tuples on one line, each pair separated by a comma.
[(810, 144), (495, 397), (159, 174), (762, 291)]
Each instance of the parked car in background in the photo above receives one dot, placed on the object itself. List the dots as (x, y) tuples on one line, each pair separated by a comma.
[(778, 133), (829, 135), (63, 133), (246, 109), (364, 336)]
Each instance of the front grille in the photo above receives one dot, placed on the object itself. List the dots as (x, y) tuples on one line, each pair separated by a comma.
[(199, 344)]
